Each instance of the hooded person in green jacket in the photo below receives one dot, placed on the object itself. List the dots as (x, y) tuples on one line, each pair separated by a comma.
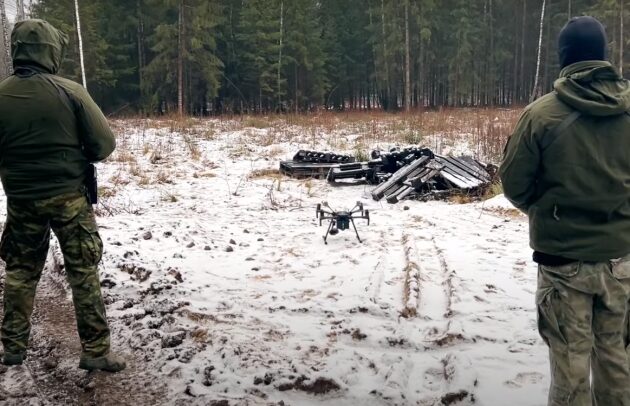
[(567, 166), (50, 132)]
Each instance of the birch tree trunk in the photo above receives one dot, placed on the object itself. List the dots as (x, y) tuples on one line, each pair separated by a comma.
[(180, 59), (570, 12), (20, 12), (80, 37), (407, 60), (540, 38), (7, 69)]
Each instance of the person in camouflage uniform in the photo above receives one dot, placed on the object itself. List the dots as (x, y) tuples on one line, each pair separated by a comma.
[(567, 166), (50, 131)]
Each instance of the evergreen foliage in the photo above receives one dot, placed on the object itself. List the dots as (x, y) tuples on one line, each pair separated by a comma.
[(215, 56)]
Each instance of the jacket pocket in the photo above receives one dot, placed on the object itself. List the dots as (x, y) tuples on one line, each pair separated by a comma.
[(5, 243), (91, 243)]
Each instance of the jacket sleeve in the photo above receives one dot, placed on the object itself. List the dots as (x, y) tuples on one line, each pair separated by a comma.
[(97, 138), (521, 165)]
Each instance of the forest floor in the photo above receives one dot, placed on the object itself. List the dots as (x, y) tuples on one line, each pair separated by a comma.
[(221, 291)]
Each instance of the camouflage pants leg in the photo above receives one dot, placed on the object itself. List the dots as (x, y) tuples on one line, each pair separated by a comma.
[(24, 246), (582, 316), (72, 220)]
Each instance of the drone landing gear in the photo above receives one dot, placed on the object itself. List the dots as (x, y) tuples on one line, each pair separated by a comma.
[(355, 230), (342, 220), (331, 227)]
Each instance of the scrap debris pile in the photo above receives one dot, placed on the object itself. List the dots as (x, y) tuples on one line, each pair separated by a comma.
[(400, 173)]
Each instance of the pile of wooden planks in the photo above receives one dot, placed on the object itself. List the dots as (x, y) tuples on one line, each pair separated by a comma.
[(399, 174), (433, 176)]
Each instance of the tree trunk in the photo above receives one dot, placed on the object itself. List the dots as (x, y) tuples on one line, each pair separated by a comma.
[(20, 13), (540, 38), (374, 58), (385, 62), (570, 12), (80, 38), (514, 84), (621, 37), (407, 60), (492, 71), (280, 54), (180, 59), (546, 82), (141, 54), (522, 70), (7, 69)]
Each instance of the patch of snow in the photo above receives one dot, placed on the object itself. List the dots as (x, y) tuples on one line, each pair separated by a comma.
[(220, 278)]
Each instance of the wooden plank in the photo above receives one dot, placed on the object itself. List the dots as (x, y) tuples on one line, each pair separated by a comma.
[(467, 166), (398, 178), (400, 194), (460, 177), (458, 181)]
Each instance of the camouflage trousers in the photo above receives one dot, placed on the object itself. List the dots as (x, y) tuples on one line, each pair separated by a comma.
[(583, 318), (24, 248)]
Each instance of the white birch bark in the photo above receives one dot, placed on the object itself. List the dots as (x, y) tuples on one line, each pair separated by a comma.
[(540, 38), (80, 37), (7, 67), (20, 12)]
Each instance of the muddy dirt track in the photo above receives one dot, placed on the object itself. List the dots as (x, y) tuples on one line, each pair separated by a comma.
[(50, 375)]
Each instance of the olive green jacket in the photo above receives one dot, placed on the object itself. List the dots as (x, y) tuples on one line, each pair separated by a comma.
[(50, 128), (576, 192)]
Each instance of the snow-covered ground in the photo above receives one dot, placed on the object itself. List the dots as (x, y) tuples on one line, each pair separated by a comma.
[(216, 273)]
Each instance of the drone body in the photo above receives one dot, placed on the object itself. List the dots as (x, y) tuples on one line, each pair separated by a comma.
[(341, 220)]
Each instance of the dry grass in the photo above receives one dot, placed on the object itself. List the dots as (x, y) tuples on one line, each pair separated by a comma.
[(205, 174), (106, 192), (485, 130), (192, 146), (309, 186), (494, 190), (164, 178), (200, 335), (144, 180), (462, 198), (169, 197), (123, 155), (267, 173)]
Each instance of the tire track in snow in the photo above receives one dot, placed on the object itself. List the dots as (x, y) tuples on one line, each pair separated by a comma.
[(377, 275), (452, 375)]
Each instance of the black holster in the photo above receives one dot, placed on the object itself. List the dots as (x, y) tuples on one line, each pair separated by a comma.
[(91, 184)]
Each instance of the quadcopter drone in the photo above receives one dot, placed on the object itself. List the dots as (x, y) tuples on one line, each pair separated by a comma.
[(341, 220)]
